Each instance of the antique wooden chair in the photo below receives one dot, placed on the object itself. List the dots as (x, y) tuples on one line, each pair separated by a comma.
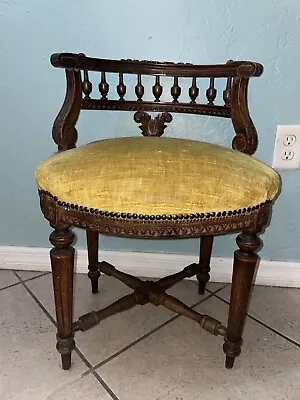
[(154, 188)]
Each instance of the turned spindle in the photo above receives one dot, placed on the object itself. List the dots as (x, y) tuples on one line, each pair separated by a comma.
[(139, 88), (227, 93), (121, 88), (175, 90), (211, 92), (86, 85), (157, 89), (194, 91), (103, 87)]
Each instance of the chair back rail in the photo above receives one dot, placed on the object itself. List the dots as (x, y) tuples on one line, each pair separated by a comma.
[(81, 94)]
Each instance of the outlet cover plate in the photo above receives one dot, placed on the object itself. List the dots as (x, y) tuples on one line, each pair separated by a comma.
[(287, 147)]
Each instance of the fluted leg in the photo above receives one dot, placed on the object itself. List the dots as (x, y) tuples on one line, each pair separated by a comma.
[(93, 247), (245, 260), (206, 243), (62, 263)]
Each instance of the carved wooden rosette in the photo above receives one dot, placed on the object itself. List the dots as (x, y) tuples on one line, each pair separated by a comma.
[(152, 126)]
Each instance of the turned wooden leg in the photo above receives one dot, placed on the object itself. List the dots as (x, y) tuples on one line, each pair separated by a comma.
[(62, 263), (206, 243), (93, 247), (245, 261)]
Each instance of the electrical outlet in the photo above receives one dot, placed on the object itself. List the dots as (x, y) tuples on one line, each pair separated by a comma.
[(287, 147), (288, 155), (289, 140)]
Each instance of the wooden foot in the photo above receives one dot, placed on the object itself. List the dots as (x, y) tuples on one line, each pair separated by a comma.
[(93, 248), (66, 361), (206, 243), (229, 362), (62, 263), (201, 287), (245, 261)]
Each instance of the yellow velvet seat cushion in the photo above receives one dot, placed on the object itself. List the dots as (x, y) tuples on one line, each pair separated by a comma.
[(151, 175)]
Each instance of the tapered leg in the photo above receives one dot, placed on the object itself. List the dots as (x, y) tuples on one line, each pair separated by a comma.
[(93, 247), (206, 243), (245, 261), (62, 263)]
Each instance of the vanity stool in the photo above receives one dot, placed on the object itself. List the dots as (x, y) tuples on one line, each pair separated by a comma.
[(148, 187)]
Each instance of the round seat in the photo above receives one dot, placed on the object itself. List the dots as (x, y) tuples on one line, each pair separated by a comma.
[(150, 175)]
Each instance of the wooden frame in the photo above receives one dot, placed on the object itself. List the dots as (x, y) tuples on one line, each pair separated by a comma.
[(63, 215)]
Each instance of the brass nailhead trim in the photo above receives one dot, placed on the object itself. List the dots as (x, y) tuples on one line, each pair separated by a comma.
[(174, 217)]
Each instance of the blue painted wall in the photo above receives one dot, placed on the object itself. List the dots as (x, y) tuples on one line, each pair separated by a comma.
[(183, 30)]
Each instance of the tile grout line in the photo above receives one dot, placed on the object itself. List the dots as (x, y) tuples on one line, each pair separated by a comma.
[(77, 351), (263, 324), (59, 389), (23, 283), (124, 349), (209, 290), (20, 279), (94, 373), (10, 286), (34, 277), (105, 385)]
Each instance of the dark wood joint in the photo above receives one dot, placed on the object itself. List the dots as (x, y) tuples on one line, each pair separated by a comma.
[(248, 243)]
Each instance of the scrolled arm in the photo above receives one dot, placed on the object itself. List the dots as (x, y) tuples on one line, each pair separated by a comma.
[(64, 132), (246, 139)]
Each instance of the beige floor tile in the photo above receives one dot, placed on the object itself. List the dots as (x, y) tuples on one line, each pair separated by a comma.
[(29, 364), (183, 362), (277, 307), (84, 388), (213, 286), (120, 330), (7, 278), (30, 274)]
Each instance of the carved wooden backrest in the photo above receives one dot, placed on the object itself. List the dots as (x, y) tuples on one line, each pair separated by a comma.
[(80, 95)]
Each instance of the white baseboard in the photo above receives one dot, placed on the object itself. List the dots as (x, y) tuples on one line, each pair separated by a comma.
[(271, 273)]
